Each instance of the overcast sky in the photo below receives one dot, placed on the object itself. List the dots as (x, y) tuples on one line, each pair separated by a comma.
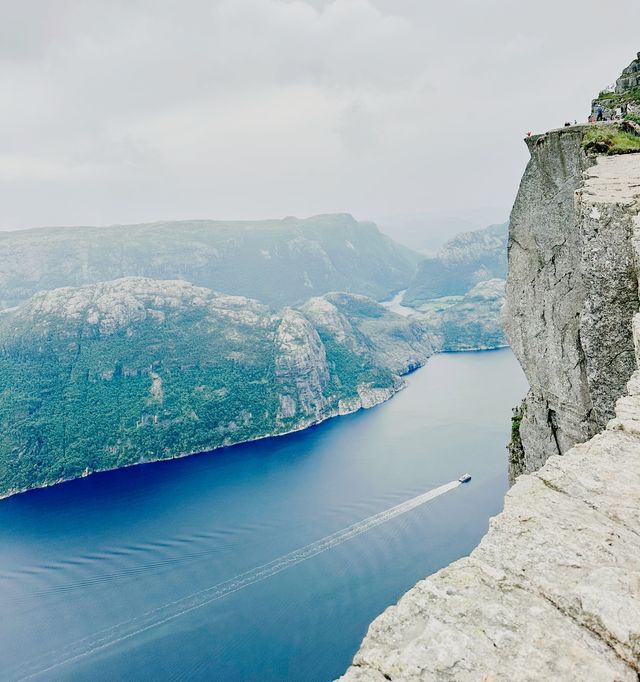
[(136, 110)]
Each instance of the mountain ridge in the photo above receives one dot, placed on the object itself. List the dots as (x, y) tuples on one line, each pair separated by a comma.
[(280, 261), (135, 370)]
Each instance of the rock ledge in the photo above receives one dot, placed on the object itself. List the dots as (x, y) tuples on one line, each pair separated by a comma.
[(553, 590), (551, 593)]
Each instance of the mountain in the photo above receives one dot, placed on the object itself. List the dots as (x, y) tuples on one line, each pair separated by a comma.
[(469, 322), (428, 231), (463, 262), (279, 262), (134, 370)]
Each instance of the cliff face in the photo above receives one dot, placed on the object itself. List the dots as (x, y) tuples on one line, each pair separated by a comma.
[(625, 97), (553, 590), (571, 292), (630, 77)]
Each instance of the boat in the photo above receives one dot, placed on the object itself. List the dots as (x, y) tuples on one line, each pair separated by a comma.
[(465, 478)]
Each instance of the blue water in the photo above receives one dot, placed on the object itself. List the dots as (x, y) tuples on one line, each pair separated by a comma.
[(88, 561)]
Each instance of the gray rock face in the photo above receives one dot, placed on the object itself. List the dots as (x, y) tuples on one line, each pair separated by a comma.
[(624, 98), (571, 291), (553, 590), (301, 362), (521, 607), (551, 593), (630, 77), (363, 327)]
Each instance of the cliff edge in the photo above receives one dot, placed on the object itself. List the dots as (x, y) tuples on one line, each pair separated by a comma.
[(553, 590), (572, 291)]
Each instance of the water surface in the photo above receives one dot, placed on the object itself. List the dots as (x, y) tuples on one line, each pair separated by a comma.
[(395, 305), (96, 560)]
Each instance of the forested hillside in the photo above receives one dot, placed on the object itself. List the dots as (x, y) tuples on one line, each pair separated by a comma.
[(136, 370)]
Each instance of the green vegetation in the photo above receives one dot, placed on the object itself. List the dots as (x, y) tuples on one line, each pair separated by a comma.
[(616, 99), (139, 370), (516, 420), (437, 305), (77, 400), (515, 447), (469, 322), (634, 118), (609, 139)]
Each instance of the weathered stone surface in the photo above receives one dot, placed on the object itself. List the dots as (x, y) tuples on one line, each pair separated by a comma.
[(301, 360), (630, 77), (551, 593), (553, 590), (623, 99), (572, 291)]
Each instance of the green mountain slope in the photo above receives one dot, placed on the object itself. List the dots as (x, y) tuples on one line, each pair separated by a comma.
[(279, 262), (466, 260), (469, 322), (134, 370)]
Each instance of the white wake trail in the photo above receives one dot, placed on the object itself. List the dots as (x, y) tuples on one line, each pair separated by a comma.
[(164, 614)]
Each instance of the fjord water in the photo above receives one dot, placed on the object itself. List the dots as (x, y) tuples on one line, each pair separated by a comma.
[(90, 569)]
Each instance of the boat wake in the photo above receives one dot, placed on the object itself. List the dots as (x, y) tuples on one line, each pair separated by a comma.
[(164, 614)]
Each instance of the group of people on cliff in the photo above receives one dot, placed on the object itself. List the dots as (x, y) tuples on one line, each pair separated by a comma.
[(617, 114)]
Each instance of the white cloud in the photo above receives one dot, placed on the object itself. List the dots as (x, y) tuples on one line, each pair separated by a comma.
[(144, 109)]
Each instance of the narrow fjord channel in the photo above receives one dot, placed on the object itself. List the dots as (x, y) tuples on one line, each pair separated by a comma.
[(263, 561)]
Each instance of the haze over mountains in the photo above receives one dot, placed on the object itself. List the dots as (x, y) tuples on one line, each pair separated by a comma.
[(462, 263), (459, 293), (428, 231), (280, 262)]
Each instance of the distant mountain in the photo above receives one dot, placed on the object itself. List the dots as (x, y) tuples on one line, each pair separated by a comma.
[(469, 322), (428, 231), (279, 262), (133, 370), (463, 262)]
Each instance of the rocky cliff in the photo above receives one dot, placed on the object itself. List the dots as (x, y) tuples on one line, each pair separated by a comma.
[(551, 593), (553, 590), (572, 291), (624, 98), (630, 77)]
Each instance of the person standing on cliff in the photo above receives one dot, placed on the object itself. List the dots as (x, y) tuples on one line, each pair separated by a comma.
[(599, 113)]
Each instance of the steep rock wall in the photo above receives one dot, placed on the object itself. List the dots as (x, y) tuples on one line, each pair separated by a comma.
[(553, 590), (571, 292)]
